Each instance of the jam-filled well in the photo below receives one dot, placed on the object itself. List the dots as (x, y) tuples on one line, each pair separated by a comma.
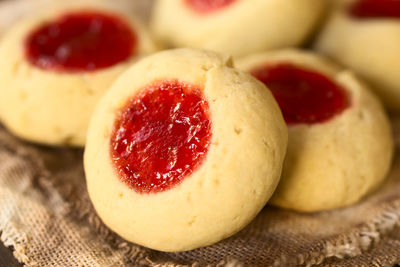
[(81, 41), (365, 9), (161, 136), (207, 6), (304, 96)]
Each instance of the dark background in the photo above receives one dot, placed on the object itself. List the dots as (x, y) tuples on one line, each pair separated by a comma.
[(6, 257)]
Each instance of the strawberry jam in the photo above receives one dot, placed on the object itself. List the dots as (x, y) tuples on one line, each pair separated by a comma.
[(375, 9), (206, 6), (161, 136), (81, 41), (304, 96)]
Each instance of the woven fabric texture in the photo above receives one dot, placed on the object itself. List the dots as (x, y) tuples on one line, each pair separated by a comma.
[(46, 216)]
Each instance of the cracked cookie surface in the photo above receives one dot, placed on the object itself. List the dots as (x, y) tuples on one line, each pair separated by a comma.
[(226, 189)]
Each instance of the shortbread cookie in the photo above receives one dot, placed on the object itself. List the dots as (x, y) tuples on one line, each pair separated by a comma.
[(363, 35), (236, 27), (183, 150), (340, 143), (56, 66)]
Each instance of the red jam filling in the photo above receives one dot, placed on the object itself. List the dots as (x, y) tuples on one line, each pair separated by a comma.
[(304, 96), (81, 41), (375, 9), (206, 6), (161, 136)]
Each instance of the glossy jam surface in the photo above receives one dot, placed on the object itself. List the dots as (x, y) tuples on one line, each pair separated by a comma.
[(161, 136), (207, 6), (304, 96), (375, 9), (81, 41)]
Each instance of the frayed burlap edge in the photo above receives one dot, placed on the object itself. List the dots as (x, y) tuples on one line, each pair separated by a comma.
[(352, 244), (347, 245)]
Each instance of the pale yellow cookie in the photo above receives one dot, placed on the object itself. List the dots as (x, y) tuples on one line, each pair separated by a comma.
[(237, 27), (52, 105), (235, 177), (369, 47), (337, 161)]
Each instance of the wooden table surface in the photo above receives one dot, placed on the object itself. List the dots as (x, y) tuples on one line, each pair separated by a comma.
[(6, 257)]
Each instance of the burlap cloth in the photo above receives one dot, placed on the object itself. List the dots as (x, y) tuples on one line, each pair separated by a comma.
[(46, 216)]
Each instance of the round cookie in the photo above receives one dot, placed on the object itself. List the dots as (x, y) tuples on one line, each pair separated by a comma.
[(183, 150), (56, 66), (340, 143), (363, 35), (236, 27)]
